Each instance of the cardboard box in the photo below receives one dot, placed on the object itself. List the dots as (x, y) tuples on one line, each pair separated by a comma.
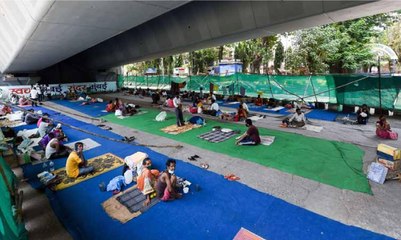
[(392, 165), (389, 151)]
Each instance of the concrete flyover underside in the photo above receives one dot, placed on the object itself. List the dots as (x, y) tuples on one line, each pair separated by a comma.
[(93, 35)]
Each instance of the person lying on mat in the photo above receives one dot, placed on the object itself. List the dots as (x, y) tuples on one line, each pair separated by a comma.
[(251, 136), (166, 183), (383, 129), (297, 120), (56, 149), (76, 164), (147, 179)]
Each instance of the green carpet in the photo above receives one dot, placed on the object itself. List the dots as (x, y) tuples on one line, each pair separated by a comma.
[(334, 163)]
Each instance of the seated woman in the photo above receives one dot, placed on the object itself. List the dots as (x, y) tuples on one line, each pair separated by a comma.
[(383, 129), (199, 106), (5, 110), (363, 114), (297, 120), (110, 107), (146, 180), (258, 101), (241, 114), (23, 101)]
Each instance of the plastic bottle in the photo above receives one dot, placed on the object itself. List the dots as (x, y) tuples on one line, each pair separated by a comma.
[(44, 166), (51, 166)]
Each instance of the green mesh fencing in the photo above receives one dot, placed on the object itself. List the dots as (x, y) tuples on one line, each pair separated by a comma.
[(9, 228), (340, 89)]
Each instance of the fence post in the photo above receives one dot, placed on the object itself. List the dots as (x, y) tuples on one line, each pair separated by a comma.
[(313, 87), (270, 85)]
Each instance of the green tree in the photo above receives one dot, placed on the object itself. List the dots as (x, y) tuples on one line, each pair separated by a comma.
[(278, 56)]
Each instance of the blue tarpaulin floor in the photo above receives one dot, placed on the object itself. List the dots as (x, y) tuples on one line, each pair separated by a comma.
[(217, 211)]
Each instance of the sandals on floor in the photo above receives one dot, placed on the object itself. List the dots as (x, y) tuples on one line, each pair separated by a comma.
[(231, 177), (204, 165)]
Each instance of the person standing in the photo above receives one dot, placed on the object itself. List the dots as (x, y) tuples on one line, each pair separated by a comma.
[(178, 111), (34, 97)]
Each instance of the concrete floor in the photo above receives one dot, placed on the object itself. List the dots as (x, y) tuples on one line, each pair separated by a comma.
[(379, 212)]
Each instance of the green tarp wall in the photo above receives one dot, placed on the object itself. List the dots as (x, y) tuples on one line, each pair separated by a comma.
[(337, 89), (9, 228)]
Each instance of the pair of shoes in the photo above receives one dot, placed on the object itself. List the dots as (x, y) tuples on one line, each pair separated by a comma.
[(195, 156), (204, 165), (191, 158), (231, 177)]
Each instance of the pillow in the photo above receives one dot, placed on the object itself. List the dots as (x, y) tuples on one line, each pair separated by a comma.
[(161, 116)]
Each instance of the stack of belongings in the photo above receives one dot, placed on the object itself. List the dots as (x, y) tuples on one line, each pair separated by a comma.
[(390, 157)]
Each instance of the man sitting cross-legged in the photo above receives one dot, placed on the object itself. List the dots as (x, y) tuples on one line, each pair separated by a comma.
[(251, 136), (56, 149), (76, 162), (166, 183)]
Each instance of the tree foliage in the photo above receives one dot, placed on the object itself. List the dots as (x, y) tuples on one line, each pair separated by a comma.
[(278, 56)]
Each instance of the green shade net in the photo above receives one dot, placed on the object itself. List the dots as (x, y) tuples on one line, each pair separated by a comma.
[(321, 88), (9, 228), (330, 162)]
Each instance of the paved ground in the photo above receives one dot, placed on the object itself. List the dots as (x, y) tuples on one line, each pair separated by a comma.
[(379, 213)]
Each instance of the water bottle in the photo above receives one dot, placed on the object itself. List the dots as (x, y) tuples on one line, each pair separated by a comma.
[(51, 166), (44, 166)]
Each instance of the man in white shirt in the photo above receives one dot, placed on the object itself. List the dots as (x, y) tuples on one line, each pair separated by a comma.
[(244, 106), (34, 97), (178, 111), (213, 109), (56, 149), (297, 120)]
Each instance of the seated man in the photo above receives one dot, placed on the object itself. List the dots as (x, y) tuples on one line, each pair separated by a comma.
[(45, 140), (166, 183), (14, 99), (76, 164), (213, 109), (29, 117), (258, 101), (363, 114), (297, 120), (251, 136), (155, 97), (244, 106), (56, 149), (147, 179)]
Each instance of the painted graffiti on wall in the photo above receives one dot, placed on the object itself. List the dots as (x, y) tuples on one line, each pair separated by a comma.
[(59, 89)]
